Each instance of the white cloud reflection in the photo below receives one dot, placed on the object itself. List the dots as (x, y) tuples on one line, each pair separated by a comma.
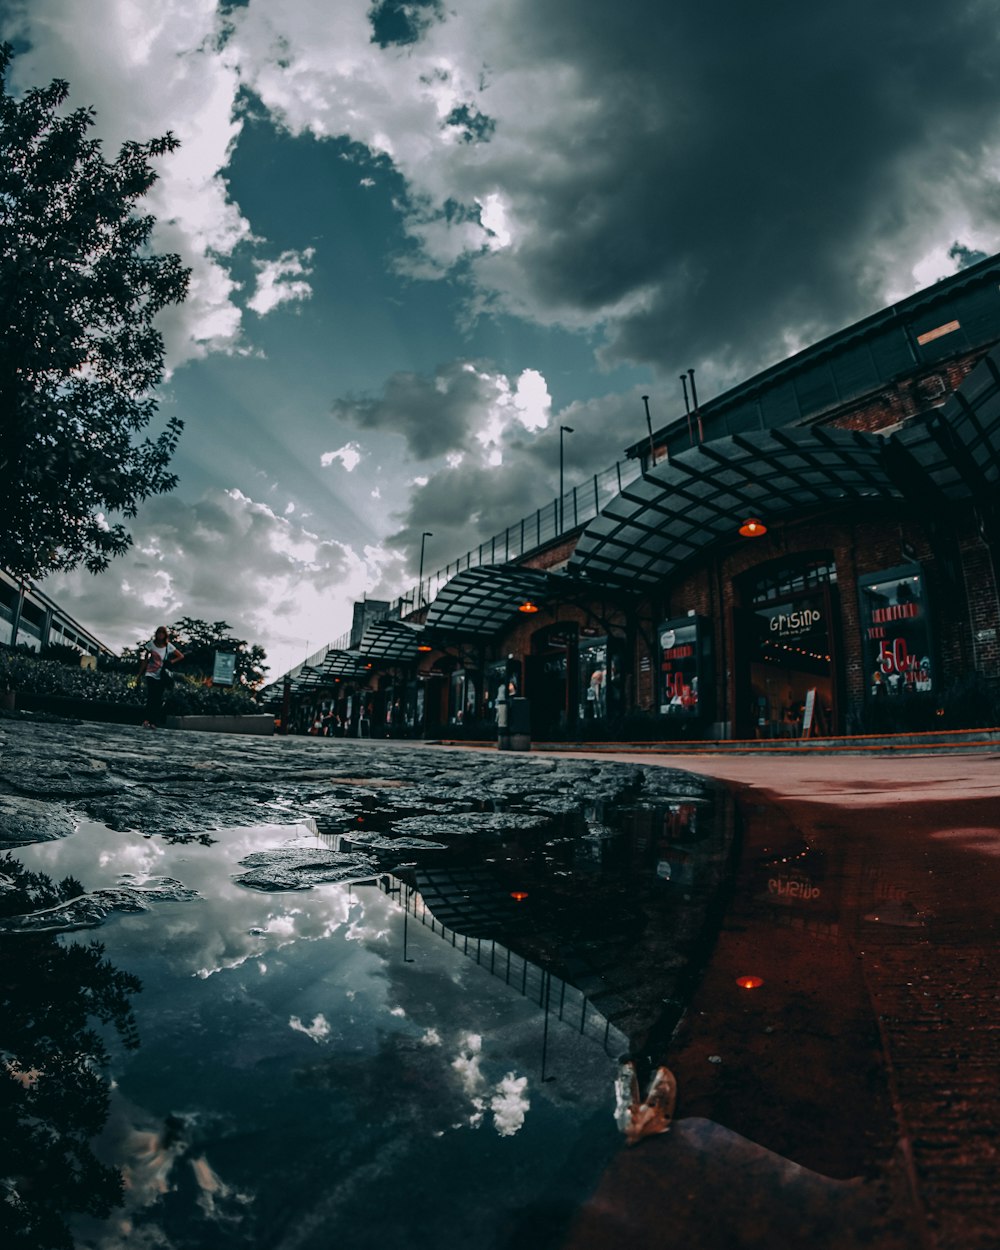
[(319, 1030)]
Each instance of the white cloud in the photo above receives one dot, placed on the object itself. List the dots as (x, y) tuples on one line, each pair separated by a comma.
[(281, 281), (349, 456), (145, 71), (189, 559)]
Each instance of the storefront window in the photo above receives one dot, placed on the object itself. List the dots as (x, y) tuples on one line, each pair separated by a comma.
[(463, 708), (593, 682), (680, 677), (791, 668), (501, 675), (896, 633), (780, 581)]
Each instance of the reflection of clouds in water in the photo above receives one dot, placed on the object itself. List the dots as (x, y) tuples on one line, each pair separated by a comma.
[(509, 1104), (143, 859), (431, 1037), (215, 1194), (319, 1030), (228, 924), (508, 1101), (230, 930), (359, 932), (398, 1011), (984, 840), (148, 1158), (467, 1063)]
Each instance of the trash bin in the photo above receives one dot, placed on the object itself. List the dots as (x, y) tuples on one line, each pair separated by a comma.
[(519, 724)]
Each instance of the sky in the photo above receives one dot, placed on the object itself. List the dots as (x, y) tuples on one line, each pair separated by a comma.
[(424, 234)]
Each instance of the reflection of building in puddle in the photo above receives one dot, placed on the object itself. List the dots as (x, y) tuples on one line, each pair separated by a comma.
[(826, 896), (884, 903), (801, 892), (473, 898)]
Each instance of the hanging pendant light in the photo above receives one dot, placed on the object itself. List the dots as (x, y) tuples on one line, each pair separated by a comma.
[(528, 606), (753, 527)]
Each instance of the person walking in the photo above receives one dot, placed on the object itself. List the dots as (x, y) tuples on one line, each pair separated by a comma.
[(159, 655)]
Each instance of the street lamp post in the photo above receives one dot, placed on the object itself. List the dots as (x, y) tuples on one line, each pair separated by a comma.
[(649, 427), (563, 429), (420, 589)]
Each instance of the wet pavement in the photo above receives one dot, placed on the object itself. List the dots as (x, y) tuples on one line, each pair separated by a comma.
[(846, 1095)]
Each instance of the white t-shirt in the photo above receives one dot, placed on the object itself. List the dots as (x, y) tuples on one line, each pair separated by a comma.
[(156, 657)]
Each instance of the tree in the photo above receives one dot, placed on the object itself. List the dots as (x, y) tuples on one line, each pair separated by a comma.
[(79, 354), (54, 1099), (200, 640)]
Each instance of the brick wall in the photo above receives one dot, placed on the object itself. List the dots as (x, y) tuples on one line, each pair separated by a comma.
[(905, 398)]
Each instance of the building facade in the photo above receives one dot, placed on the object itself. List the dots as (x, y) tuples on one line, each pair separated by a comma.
[(813, 552)]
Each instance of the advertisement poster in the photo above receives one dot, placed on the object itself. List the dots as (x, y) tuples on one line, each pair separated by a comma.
[(679, 676), (896, 634), (224, 668)]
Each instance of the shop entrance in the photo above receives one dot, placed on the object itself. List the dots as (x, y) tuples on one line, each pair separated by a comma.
[(786, 653), (550, 680)]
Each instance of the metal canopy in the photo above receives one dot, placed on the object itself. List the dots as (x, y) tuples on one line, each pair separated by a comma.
[(343, 664), (478, 602), (307, 679), (390, 640), (958, 448), (680, 508)]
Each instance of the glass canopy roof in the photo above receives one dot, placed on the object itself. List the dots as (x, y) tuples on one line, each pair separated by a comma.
[(478, 602), (391, 640), (702, 496)]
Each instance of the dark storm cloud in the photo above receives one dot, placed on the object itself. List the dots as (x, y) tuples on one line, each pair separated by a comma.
[(473, 502), (755, 170), (435, 414)]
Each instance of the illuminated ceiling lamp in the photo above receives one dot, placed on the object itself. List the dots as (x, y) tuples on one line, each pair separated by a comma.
[(750, 982), (753, 527), (424, 646), (519, 895), (528, 607)]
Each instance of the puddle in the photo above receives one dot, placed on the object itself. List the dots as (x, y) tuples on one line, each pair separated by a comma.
[(422, 1057)]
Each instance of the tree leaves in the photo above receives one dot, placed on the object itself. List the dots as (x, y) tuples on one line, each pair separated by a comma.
[(79, 353)]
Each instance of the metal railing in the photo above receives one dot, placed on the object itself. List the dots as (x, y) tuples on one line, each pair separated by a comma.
[(580, 504), (559, 999)]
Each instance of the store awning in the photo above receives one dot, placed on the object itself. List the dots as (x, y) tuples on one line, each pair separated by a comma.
[(340, 663), (306, 679), (391, 640), (700, 497), (478, 602)]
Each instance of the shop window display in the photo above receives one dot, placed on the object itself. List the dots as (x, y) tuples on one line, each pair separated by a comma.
[(896, 633), (791, 668), (680, 676)]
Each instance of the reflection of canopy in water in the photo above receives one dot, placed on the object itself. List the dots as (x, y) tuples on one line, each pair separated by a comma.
[(564, 1001)]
